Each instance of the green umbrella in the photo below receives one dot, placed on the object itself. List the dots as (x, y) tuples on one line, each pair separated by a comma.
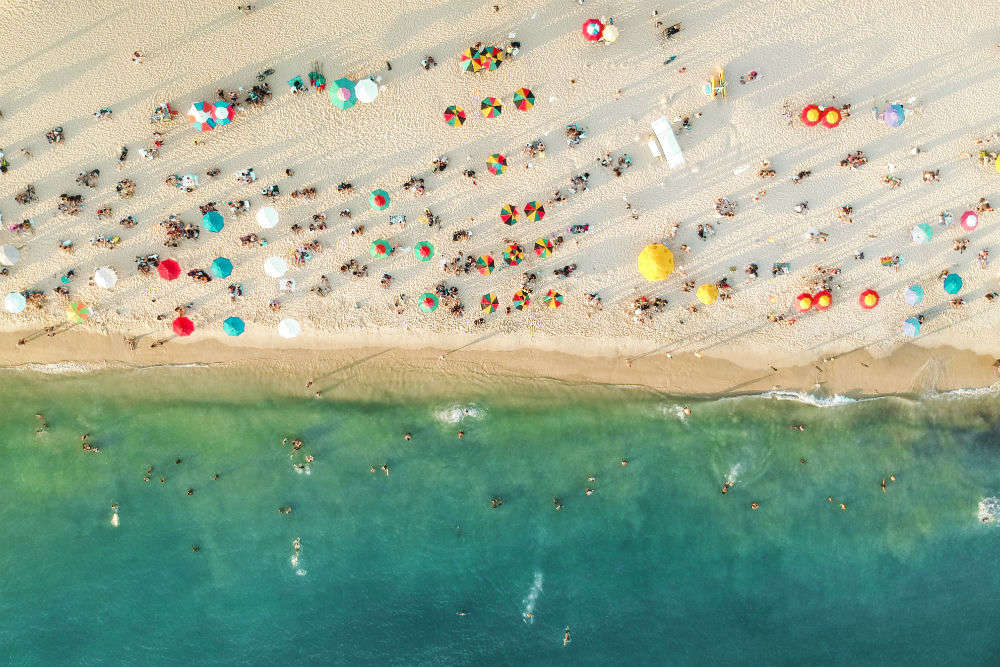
[(233, 326), (342, 94), (212, 221), (428, 302), (380, 248), (379, 199), (423, 251)]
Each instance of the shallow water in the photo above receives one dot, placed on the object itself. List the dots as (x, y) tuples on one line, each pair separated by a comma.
[(656, 568)]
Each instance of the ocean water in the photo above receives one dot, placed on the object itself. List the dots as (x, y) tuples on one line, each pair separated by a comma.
[(657, 567)]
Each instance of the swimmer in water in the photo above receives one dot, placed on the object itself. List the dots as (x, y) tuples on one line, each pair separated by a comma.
[(591, 478), (802, 461), (163, 480), (407, 436), (177, 461), (687, 411), (725, 488), (798, 427), (754, 505), (829, 499), (190, 492), (462, 612), (892, 477), (556, 503), (566, 636), (883, 485), (590, 492), (461, 434), (297, 544), (624, 462), (372, 469), (385, 469), (195, 548), (843, 506), (215, 476)]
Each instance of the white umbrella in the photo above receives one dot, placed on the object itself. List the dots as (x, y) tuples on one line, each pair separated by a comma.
[(9, 255), (289, 328), (14, 302), (366, 90), (105, 277), (275, 267), (267, 217), (610, 33)]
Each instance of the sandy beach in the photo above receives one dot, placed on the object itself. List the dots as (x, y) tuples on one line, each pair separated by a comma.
[(855, 53)]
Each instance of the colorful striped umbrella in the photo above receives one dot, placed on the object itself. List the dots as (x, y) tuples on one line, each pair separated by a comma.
[(485, 264), (484, 61), (454, 115), (522, 299), (913, 295), (489, 303), (952, 283), (554, 299), (428, 302), (169, 269), (223, 113), (342, 94), (423, 251), (233, 326), (524, 99), (811, 115), (221, 267), (496, 163), (868, 299), (182, 326), (380, 248), (508, 214), (543, 248), (592, 30), (534, 211), (911, 327), (496, 56), (822, 300), (803, 302), (213, 221), (491, 107), (513, 255), (201, 116), (379, 200), (467, 60), (78, 311), (831, 117)]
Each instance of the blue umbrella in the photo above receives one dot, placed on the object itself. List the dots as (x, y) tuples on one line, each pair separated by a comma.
[(212, 221), (911, 327), (233, 326), (221, 267), (952, 283), (914, 295)]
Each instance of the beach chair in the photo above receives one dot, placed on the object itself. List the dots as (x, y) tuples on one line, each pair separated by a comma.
[(716, 85), (668, 142)]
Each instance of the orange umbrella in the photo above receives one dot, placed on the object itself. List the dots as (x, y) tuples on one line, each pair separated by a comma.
[(831, 117), (804, 302), (811, 115), (822, 300), (868, 299)]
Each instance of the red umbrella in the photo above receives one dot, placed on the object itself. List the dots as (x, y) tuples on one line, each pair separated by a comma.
[(811, 115), (592, 30), (868, 299), (831, 117), (169, 269), (183, 326)]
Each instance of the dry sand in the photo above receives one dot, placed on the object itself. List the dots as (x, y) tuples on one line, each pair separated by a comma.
[(939, 60)]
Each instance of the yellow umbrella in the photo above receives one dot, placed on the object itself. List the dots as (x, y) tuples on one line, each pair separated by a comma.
[(656, 262), (708, 293), (997, 164)]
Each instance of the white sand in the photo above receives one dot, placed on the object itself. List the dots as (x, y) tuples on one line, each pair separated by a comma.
[(62, 62)]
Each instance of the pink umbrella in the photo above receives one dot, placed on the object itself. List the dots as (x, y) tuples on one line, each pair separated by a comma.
[(592, 30), (970, 221)]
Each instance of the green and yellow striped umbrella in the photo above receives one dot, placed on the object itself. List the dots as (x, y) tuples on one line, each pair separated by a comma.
[(534, 211), (508, 214), (513, 255), (543, 248), (78, 312), (489, 303), (491, 107), (380, 248), (428, 302), (423, 251), (553, 299), (496, 164), (524, 99), (454, 115), (485, 264)]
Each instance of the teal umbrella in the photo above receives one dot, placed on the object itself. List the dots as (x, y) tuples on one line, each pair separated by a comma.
[(212, 221), (342, 94), (952, 283), (221, 267), (233, 326), (911, 327)]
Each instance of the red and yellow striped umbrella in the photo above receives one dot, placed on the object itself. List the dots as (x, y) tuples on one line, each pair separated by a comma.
[(543, 248), (804, 302), (811, 115), (508, 214), (822, 300), (491, 107), (489, 303), (534, 211), (868, 299), (831, 117)]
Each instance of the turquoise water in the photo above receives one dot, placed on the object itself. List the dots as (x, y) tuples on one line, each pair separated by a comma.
[(656, 568)]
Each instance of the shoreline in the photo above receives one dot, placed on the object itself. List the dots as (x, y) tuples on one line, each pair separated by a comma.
[(347, 371)]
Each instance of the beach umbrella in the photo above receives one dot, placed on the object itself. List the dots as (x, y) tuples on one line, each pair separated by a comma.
[(484, 61), (379, 199), (491, 107), (922, 233), (201, 115), (342, 94), (489, 303), (543, 248), (656, 262), (969, 221), (428, 302), (267, 217), (275, 267), (534, 211), (496, 55), (9, 255), (803, 302), (233, 326), (554, 299), (380, 248), (467, 60), (913, 295), (105, 277), (221, 267), (868, 299), (423, 251), (522, 299), (213, 221), (592, 30), (182, 326), (366, 90), (496, 163), (822, 300), (485, 264), (513, 255), (708, 293), (14, 302), (952, 283), (508, 214), (831, 117), (169, 269), (77, 312), (289, 328), (894, 115), (223, 113), (610, 33), (996, 165), (811, 115), (454, 115), (524, 99), (911, 327)]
